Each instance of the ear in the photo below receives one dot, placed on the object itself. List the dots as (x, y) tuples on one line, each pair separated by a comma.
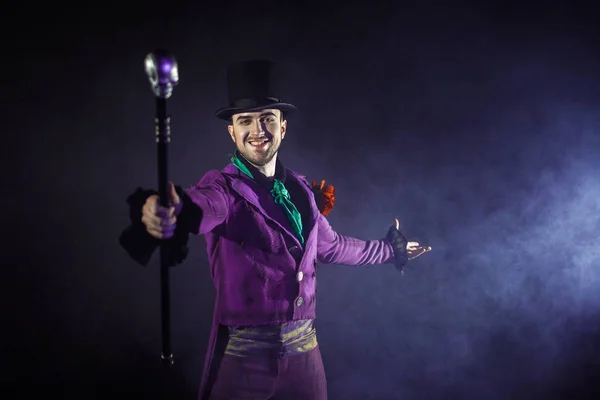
[(231, 132), (283, 128)]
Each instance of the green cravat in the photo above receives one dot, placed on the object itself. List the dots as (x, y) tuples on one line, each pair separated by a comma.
[(281, 196)]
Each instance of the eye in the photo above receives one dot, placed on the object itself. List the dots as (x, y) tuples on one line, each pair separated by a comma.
[(269, 119)]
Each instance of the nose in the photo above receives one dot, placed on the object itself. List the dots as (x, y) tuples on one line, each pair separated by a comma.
[(258, 127)]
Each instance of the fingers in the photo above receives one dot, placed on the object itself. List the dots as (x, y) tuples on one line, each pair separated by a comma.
[(152, 208), (163, 218), (418, 248), (150, 205), (162, 232), (173, 194), (414, 249), (418, 251), (160, 222)]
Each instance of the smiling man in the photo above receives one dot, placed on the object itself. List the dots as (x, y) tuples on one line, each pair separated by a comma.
[(265, 238), (258, 136)]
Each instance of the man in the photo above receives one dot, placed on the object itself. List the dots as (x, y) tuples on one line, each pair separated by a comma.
[(265, 234)]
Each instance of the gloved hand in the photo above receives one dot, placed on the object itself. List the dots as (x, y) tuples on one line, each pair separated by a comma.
[(403, 249)]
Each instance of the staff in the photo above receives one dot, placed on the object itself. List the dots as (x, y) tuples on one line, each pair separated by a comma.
[(161, 69)]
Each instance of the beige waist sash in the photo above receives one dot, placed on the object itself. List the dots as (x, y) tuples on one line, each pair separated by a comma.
[(282, 340)]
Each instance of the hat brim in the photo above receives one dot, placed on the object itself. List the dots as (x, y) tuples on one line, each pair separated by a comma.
[(228, 112)]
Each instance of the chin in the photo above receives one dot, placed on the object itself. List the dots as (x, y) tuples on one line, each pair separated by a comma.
[(258, 162), (262, 159)]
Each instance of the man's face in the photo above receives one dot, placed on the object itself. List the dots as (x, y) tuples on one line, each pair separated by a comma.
[(258, 135)]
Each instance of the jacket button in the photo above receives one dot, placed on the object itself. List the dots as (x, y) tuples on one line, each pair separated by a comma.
[(300, 276), (299, 301)]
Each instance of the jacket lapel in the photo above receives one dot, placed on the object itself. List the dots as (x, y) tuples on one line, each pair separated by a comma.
[(261, 199), (314, 211)]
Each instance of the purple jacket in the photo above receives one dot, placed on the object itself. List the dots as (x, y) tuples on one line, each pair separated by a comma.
[(261, 272)]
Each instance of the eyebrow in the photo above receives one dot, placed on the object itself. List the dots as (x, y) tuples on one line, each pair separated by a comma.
[(261, 115)]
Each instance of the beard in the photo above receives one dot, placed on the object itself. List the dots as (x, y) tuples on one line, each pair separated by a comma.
[(258, 158)]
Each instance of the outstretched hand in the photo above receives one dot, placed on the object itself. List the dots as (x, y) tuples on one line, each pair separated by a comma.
[(403, 249), (414, 249), (161, 222)]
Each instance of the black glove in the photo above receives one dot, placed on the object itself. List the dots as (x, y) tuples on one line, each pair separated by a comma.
[(399, 243)]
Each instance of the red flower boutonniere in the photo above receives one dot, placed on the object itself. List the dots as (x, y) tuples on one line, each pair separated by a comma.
[(324, 196)]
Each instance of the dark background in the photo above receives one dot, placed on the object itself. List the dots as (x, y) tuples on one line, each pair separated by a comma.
[(476, 125)]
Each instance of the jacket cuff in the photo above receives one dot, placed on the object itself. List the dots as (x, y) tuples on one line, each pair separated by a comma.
[(190, 217), (140, 245), (398, 243)]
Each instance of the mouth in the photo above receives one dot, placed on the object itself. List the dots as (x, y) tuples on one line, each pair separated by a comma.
[(259, 144)]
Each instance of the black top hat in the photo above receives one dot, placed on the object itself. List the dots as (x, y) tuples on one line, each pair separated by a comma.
[(252, 87)]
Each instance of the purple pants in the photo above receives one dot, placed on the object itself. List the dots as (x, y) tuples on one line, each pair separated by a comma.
[(296, 377)]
